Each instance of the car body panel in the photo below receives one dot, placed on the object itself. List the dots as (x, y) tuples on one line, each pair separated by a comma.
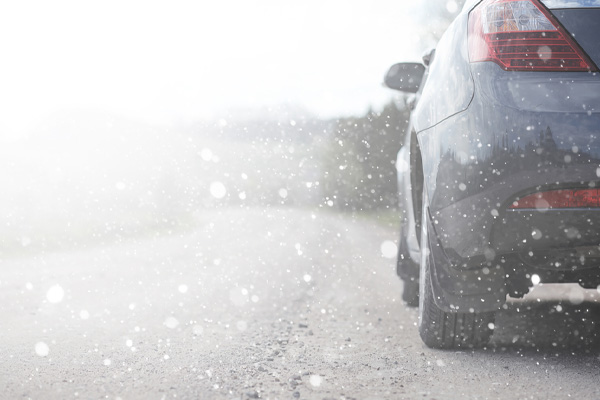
[(449, 89), (483, 158)]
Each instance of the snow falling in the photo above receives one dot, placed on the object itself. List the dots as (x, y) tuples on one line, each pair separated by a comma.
[(55, 294), (42, 349), (171, 323), (217, 190), (389, 249), (221, 219)]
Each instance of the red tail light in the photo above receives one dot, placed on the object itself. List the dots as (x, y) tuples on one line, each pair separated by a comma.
[(583, 198), (522, 35)]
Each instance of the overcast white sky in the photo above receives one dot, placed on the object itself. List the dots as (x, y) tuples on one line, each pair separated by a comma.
[(184, 60)]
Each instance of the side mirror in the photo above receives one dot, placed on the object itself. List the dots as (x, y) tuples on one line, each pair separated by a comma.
[(428, 57), (406, 77)]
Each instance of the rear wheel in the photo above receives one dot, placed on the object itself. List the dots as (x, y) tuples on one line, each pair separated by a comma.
[(438, 328), (408, 270), (410, 292)]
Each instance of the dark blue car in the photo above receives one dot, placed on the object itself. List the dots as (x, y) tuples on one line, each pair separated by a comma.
[(499, 175)]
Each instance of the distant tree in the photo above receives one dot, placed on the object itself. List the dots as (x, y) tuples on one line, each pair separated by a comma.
[(359, 159)]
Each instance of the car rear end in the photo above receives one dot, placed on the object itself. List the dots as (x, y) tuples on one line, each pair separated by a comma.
[(517, 180)]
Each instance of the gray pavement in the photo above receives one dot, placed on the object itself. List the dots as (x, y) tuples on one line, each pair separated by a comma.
[(273, 304)]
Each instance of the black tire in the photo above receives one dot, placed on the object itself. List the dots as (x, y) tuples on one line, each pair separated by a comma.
[(410, 292), (447, 330), (407, 270)]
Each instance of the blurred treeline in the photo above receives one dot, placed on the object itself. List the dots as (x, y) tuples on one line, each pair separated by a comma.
[(344, 164), (90, 177), (358, 159)]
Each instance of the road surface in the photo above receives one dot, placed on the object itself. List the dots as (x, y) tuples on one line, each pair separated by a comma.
[(272, 304)]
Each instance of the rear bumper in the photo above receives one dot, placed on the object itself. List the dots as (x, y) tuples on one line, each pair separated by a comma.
[(547, 229), (515, 138)]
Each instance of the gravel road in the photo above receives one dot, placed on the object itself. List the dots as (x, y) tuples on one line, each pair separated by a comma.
[(273, 304)]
